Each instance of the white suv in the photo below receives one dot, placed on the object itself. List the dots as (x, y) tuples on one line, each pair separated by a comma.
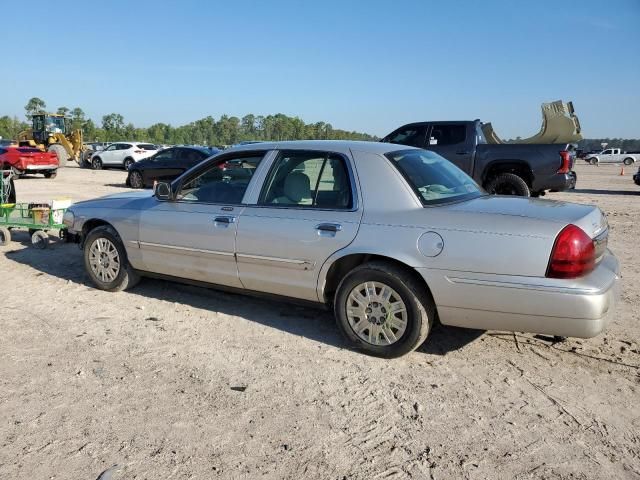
[(121, 154)]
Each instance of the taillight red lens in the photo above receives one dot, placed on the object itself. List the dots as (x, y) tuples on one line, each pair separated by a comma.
[(573, 254), (565, 165)]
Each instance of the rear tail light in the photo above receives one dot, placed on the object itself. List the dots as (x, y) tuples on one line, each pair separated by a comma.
[(565, 165), (573, 254)]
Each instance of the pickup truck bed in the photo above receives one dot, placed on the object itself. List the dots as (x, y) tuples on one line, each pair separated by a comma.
[(516, 169)]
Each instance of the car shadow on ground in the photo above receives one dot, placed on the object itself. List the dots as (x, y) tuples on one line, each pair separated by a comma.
[(64, 261), (593, 191), (118, 185)]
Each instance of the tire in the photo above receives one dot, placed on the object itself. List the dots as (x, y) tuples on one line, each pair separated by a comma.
[(17, 173), (419, 311), (5, 236), (128, 162), (628, 161), (594, 161), (62, 154), (110, 272), (508, 184), (53, 174), (40, 239), (135, 179), (96, 163)]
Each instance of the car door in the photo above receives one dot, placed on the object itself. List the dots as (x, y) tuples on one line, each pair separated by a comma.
[(450, 141), (154, 167), (108, 153), (121, 152), (305, 211), (193, 236), (605, 156)]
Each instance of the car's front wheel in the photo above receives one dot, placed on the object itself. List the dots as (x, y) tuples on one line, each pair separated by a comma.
[(628, 161), (105, 260), (127, 163), (96, 163), (383, 309)]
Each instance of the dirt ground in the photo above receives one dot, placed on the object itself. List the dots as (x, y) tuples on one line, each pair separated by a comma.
[(176, 382)]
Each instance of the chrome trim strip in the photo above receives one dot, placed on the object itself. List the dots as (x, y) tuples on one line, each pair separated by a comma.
[(524, 286), (305, 264), (186, 249)]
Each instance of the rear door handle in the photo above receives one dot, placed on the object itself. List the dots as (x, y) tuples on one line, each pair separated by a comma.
[(328, 229), (223, 221)]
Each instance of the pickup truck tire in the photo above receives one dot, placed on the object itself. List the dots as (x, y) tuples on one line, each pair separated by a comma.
[(406, 292), (61, 153), (628, 161), (508, 184), (106, 262), (593, 161)]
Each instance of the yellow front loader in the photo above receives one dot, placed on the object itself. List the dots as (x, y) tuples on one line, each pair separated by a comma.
[(52, 132)]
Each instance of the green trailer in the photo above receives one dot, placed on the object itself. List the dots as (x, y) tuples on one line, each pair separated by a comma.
[(37, 218)]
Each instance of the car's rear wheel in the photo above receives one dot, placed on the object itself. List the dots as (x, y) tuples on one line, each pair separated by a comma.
[(128, 162), (53, 174), (96, 163), (508, 184), (135, 179), (383, 310), (628, 161), (105, 260)]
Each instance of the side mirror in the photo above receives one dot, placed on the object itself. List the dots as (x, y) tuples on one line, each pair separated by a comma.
[(162, 191)]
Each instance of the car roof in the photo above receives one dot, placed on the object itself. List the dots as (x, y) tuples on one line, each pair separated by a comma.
[(323, 145)]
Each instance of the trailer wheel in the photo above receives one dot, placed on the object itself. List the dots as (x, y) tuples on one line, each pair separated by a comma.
[(40, 239), (5, 236)]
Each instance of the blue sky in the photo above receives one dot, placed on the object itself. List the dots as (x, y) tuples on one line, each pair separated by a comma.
[(359, 65)]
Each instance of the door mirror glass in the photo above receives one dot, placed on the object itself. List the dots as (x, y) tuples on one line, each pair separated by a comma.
[(162, 191)]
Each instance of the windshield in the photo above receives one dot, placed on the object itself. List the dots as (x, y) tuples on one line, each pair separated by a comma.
[(433, 178), (55, 124)]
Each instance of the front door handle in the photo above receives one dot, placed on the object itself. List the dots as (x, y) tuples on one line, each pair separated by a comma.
[(223, 221), (328, 229)]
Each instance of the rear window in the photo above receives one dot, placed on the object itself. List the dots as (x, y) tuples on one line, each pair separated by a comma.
[(147, 146), (28, 150), (434, 179)]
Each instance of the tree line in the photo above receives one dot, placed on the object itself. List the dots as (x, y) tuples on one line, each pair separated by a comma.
[(227, 130)]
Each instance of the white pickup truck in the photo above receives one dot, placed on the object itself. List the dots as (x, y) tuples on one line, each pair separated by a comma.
[(613, 155)]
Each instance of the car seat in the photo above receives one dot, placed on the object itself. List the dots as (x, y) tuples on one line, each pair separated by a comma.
[(297, 190)]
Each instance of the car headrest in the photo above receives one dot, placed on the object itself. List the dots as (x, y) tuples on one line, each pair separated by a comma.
[(297, 186)]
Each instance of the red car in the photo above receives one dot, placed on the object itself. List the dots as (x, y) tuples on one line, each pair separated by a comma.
[(27, 160)]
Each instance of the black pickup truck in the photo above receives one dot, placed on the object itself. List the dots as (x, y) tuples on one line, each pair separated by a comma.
[(506, 169)]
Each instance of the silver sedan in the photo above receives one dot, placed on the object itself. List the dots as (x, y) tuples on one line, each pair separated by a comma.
[(391, 238)]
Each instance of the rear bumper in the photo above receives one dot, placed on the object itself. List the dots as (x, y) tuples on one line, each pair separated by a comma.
[(557, 182), (571, 308), (32, 168)]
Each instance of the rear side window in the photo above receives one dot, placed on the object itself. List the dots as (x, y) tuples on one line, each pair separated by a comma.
[(308, 180), (447, 134), (190, 156), (411, 135), (147, 146)]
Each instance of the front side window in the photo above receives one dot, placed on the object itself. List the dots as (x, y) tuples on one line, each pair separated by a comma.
[(447, 134), (164, 155), (111, 148), (308, 180), (412, 136), (124, 146), (226, 181), (434, 179)]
